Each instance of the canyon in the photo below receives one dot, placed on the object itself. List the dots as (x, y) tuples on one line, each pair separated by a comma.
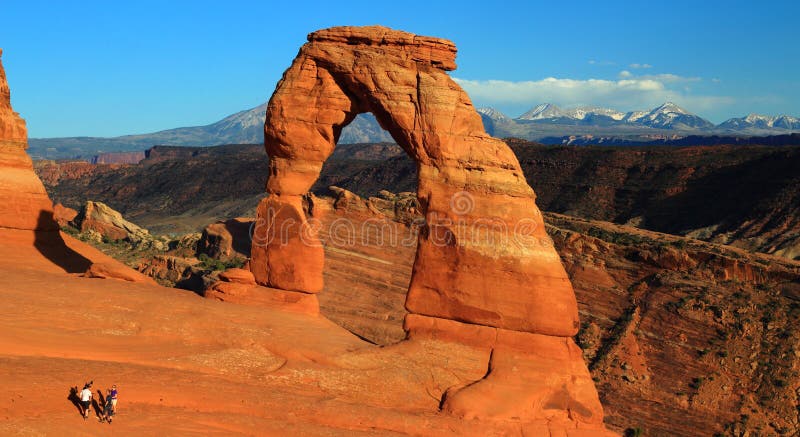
[(746, 196)]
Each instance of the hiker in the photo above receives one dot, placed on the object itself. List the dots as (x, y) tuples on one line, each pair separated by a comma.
[(86, 399), (111, 404)]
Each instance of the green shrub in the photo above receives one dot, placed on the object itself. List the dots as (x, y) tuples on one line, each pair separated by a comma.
[(208, 263), (680, 244), (697, 382), (634, 432)]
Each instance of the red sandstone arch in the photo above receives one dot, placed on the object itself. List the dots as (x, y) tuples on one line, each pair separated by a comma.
[(485, 272), (401, 78)]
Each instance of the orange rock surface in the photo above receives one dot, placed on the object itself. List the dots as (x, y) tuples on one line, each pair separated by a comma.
[(219, 240), (484, 260), (192, 366), (114, 270), (63, 215)]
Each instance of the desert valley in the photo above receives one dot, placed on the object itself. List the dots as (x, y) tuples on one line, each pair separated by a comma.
[(440, 272)]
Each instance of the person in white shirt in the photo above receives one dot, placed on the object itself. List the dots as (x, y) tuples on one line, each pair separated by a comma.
[(86, 398)]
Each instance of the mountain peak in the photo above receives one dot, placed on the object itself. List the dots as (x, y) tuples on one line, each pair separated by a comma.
[(670, 107), (755, 121), (492, 113), (671, 116), (542, 111), (583, 112)]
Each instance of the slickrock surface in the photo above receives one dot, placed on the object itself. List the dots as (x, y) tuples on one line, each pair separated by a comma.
[(192, 366), (681, 335), (484, 260)]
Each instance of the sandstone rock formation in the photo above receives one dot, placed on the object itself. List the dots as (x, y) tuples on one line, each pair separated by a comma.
[(225, 240), (25, 202), (99, 217), (113, 270), (239, 286), (63, 215), (26, 212), (485, 268), (402, 207)]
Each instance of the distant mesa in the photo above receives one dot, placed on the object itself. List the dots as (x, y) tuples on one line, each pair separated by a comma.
[(119, 157)]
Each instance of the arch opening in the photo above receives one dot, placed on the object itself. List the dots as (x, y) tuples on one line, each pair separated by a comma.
[(368, 226)]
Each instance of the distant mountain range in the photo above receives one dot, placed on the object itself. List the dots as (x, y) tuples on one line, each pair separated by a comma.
[(545, 123), (244, 127), (548, 123), (668, 116)]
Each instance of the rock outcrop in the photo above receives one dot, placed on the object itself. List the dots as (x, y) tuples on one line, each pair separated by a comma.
[(115, 270), (226, 239), (63, 215), (484, 262), (25, 203), (401, 207), (101, 218), (27, 219)]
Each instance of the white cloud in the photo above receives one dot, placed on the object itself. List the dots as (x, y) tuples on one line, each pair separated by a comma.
[(637, 66), (625, 74), (670, 78), (627, 93)]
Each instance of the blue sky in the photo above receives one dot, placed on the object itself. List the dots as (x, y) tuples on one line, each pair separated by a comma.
[(100, 68)]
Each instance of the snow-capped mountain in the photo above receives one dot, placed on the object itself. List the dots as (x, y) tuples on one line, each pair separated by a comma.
[(672, 116), (545, 111), (587, 112), (493, 114), (667, 116), (758, 121), (634, 116)]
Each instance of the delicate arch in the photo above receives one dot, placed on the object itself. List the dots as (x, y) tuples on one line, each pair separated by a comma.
[(401, 78), (485, 273)]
